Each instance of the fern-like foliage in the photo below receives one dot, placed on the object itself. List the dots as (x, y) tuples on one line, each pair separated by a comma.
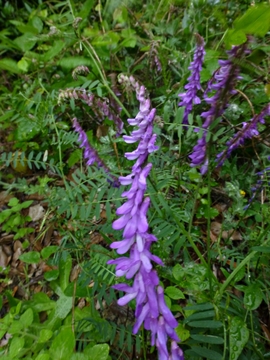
[(39, 160), (65, 138)]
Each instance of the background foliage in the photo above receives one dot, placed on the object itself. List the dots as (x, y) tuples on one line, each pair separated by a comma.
[(56, 300)]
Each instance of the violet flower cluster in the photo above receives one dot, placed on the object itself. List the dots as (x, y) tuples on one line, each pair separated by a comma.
[(248, 131), (90, 154), (223, 85), (102, 108), (193, 86), (151, 309)]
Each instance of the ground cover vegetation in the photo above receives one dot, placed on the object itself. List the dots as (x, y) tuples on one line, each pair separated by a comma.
[(134, 190)]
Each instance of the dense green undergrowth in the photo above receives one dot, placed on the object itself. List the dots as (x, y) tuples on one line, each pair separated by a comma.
[(56, 297)]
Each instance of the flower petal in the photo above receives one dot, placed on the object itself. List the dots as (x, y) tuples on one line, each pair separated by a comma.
[(121, 222)]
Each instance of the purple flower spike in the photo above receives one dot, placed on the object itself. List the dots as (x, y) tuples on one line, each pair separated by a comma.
[(151, 310), (90, 154), (190, 96), (223, 85), (249, 130), (102, 108)]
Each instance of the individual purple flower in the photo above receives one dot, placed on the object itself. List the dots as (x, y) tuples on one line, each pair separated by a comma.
[(177, 353), (151, 310), (193, 86), (90, 154), (249, 130), (223, 85)]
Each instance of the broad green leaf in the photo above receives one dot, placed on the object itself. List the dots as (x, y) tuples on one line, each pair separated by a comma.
[(26, 130), (239, 276), (63, 345), (263, 249), (43, 13), (235, 37), (15, 327), (63, 304), (267, 90), (182, 333), (37, 23), (31, 257), (45, 335), (97, 352), (75, 156), (43, 356), (239, 335), (16, 346), (174, 293), (4, 215), (107, 39), (209, 339), (81, 290), (48, 251), (24, 28), (253, 296), (51, 275), (23, 64), (26, 204), (79, 356), (7, 114), (65, 264), (168, 301), (22, 232), (86, 8), (201, 315), (131, 42), (54, 50), (25, 42), (27, 318), (256, 21), (13, 202), (9, 65), (178, 272), (74, 61), (205, 353), (41, 302), (206, 324)]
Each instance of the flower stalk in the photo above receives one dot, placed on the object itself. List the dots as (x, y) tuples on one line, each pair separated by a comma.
[(151, 310)]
